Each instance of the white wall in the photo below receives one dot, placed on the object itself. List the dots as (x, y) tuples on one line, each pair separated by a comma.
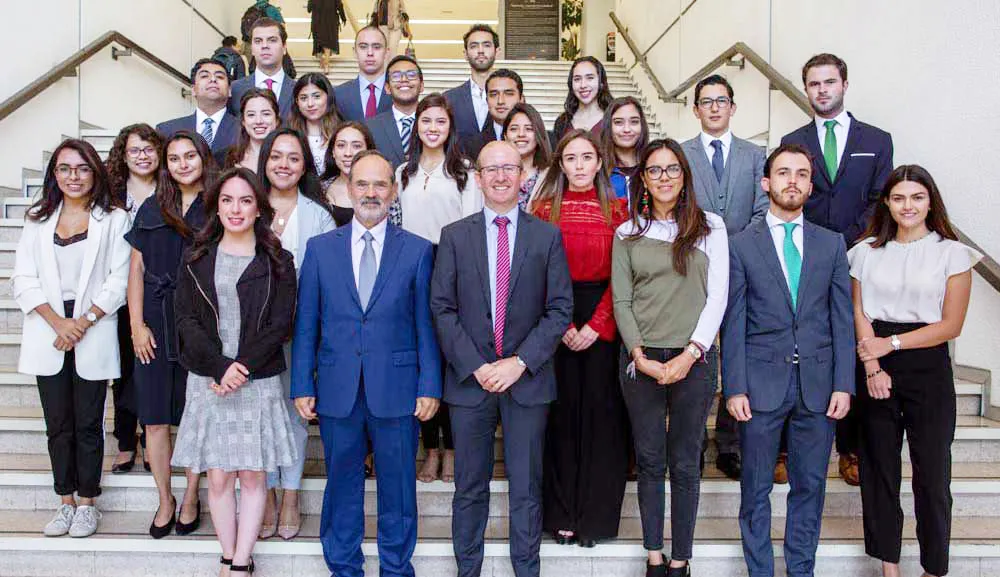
[(105, 93), (923, 70), (595, 28)]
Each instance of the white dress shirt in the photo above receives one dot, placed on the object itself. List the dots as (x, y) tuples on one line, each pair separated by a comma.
[(479, 103), (432, 201), (497, 130), (364, 83), (778, 236), (840, 131), (199, 120), (279, 78), (399, 116), (492, 233), (358, 244), (727, 143)]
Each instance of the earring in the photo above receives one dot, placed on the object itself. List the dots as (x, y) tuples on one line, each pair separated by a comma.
[(644, 204)]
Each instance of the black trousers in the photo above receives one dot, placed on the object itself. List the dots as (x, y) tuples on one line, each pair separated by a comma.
[(921, 403), (437, 428), (74, 424), (126, 420)]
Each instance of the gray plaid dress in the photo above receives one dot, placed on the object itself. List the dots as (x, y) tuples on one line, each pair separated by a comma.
[(246, 430)]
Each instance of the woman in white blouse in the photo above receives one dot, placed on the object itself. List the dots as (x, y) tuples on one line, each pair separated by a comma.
[(288, 174), (911, 283), (69, 279), (436, 188)]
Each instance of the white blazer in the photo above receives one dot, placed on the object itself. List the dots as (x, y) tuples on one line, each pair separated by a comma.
[(103, 279)]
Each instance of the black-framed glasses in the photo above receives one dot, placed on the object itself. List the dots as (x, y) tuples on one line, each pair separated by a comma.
[(722, 102), (657, 172), (135, 151), (401, 74), (82, 171), (508, 170)]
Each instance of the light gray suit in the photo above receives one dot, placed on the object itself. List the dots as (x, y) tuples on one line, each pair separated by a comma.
[(738, 199)]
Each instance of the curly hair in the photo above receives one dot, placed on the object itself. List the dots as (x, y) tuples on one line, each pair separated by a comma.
[(117, 165)]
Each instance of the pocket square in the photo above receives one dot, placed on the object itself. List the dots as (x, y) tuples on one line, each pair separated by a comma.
[(853, 154)]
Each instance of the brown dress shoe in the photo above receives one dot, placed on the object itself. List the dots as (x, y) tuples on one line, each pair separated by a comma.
[(848, 466), (781, 470)]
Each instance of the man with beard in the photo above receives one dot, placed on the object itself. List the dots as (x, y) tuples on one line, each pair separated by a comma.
[(392, 129), (787, 360), (851, 163), (468, 99), (366, 361), (210, 88), (361, 98), (268, 40)]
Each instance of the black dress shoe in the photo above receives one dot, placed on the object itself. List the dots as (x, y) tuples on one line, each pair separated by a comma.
[(564, 539), (160, 532), (586, 543), (188, 528), (122, 468), (730, 465), (656, 570), (684, 571)]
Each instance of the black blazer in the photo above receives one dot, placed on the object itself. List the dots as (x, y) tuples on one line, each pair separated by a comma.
[(267, 305), (348, 97), (246, 83), (540, 286), (225, 134), (469, 131), (386, 135), (846, 202)]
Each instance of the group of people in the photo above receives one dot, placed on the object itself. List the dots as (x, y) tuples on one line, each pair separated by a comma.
[(401, 268)]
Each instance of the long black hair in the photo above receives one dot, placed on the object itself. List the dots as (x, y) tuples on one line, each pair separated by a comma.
[(309, 182), (883, 227), (331, 116), (168, 194), (211, 234), (565, 120), (331, 171), (608, 148), (236, 152), (52, 196), (455, 163)]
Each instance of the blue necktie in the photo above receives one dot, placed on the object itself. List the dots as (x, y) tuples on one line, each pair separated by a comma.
[(207, 131), (404, 134), (718, 162)]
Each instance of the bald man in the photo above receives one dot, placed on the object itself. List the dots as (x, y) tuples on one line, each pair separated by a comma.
[(499, 357)]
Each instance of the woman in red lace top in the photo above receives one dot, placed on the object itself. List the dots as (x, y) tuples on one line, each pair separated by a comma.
[(586, 450)]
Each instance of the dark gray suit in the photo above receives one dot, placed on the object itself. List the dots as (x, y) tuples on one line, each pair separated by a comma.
[(469, 130), (386, 134), (247, 82), (540, 307), (789, 363), (349, 104)]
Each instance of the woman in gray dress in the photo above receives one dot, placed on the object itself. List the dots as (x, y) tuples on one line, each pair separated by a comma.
[(234, 303)]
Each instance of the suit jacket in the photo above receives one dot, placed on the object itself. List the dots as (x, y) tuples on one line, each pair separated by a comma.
[(314, 220), (391, 342), (348, 98), (460, 300), (240, 86), (845, 203), (386, 135), (739, 198), (761, 333), (226, 132), (469, 130)]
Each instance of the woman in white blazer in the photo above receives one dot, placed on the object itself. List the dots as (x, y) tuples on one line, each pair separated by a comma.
[(70, 275), (288, 173)]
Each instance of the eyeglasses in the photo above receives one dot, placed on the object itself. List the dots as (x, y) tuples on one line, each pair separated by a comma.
[(722, 102), (492, 171), (82, 171), (408, 74), (657, 172), (135, 152)]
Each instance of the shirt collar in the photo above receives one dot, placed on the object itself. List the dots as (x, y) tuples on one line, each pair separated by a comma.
[(727, 139), (773, 221), (199, 118), (843, 119), (497, 129), (400, 115), (378, 231), (476, 90), (379, 83), (259, 76), (489, 214)]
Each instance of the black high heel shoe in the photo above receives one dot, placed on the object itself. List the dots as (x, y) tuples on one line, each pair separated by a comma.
[(126, 467), (188, 528), (160, 532), (248, 568)]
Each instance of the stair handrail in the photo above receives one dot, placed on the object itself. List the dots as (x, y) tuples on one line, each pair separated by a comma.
[(68, 67), (987, 267)]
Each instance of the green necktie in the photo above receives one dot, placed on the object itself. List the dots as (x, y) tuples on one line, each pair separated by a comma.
[(793, 262), (830, 149)]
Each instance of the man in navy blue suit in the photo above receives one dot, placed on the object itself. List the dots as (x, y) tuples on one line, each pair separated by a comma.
[(361, 98), (268, 44), (787, 360), (210, 88), (468, 99), (366, 361), (851, 163)]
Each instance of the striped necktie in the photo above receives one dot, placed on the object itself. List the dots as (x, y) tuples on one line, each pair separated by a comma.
[(206, 130), (404, 134), (502, 282)]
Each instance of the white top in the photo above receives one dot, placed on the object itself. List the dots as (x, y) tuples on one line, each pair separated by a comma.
[(259, 77), (358, 244), (840, 131), (905, 283), (727, 143), (778, 237), (492, 233), (290, 236), (317, 146), (431, 201), (69, 262), (479, 102), (716, 248)]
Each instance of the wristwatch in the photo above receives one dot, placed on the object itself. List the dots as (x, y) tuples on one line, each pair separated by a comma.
[(91, 316), (694, 350), (896, 345), (520, 362)]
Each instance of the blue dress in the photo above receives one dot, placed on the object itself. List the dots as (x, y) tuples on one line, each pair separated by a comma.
[(160, 385)]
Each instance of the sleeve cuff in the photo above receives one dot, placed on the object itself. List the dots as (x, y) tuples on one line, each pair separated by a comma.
[(30, 300)]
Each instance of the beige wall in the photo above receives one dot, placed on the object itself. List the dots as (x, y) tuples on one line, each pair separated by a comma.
[(923, 70)]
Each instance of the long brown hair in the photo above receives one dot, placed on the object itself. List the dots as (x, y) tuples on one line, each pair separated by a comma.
[(608, 148), (883, 227), (168, 194), (331, 116), (692, 224), (565, 120), (235, 154), (543, 148), (52, 196), (556, 184), (308, 183), (212, 232), (331, 171), (118, 172), (454, 161)]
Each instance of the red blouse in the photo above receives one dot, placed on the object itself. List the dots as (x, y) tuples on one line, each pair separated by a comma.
[(587, 237)]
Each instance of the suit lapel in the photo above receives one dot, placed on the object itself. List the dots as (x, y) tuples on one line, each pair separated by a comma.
[(390, 255), (734, 166), (812, 143), (355, 108), (765, 245), (225, 135), (95, 232), (347, 262), (524, 222), (392, 133), (47, 246), (853, 142), (808, 255), (704, 172), (285, 98), (477, 240)]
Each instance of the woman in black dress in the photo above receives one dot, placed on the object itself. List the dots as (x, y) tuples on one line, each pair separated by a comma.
[(161, 233), (327, 17)]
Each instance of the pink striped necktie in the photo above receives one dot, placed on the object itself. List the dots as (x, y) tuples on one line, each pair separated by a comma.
[(503, 282), (269, 82)]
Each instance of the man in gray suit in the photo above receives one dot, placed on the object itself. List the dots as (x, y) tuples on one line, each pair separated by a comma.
[(501, 297), (727, 174)]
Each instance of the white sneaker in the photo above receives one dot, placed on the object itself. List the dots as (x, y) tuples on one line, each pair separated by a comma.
[(60, 524), (85, 521)]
